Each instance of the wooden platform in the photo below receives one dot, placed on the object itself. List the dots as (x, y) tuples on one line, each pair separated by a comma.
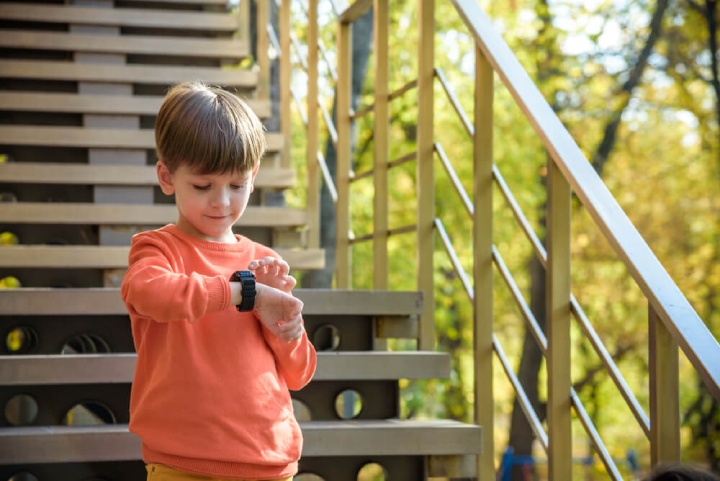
[(126, 44), (119, 368), (133, 214), (97, 104), (138, 74), (86, 174), (321, 438), (107, 301), (121, 17), (97, 138), (116, 257)]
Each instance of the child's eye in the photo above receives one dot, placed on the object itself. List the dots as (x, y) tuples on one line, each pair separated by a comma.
[(201, 187), (237, 187)]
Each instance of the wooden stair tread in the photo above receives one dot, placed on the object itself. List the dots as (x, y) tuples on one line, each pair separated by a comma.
[(134, 214), (49, 444), (121, 17), (95, 138), (119, 368), (107, 301), (116, 257), (97, 104), (124, 44), (141, 74), (97, 174)]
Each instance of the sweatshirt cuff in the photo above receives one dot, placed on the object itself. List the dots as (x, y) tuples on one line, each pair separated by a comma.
[(218, 289)]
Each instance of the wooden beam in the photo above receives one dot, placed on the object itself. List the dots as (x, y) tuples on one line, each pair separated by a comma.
[(132, 214), (143, 74), (98, 104), (391, 437), (94, 138), (107, 301), (120, 17), (116, 257), (124, 44), (86, 174), (119, 368)]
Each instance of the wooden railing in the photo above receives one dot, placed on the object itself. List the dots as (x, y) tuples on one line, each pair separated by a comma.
[(673, 323)]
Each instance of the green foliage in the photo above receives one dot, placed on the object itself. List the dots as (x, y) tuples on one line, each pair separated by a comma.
[(663, 171)]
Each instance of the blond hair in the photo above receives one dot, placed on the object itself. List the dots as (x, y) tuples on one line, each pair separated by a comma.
[(208, 129)]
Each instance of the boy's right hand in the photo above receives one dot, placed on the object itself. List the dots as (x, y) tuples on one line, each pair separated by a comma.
[(280, 312)]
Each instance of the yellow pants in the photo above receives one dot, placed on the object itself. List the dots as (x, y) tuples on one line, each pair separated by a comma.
[(159, 472)]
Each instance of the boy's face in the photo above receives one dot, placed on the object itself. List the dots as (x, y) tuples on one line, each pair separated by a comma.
[(208, 205)]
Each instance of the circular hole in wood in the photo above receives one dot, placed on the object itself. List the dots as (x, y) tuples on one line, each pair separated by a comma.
[(301, 411), (21, 410), (10, 282), (21, 340), (372, 472), (85, 344), (326, 338), (89, 413), (308, 477), (348, 404), (23, 477)]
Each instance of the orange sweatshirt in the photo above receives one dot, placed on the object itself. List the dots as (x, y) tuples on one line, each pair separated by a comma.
[(210, 392)]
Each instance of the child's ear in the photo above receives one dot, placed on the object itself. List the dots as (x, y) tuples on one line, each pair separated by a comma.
[(164, 178), (252, 177)]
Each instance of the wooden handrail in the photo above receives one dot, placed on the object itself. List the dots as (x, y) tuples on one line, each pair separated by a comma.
[(692, 335)]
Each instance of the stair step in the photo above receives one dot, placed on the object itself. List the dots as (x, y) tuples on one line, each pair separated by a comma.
[(97, 138), (61, 444), (134, 214), (119, 368), (186, 2), (140, 74), (107, 301), (116, 257), (96, 174), (121, 17), (98, 104), (125, 44)]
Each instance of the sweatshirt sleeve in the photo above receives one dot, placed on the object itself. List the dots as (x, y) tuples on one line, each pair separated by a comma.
[(296, 360), (151, 288)]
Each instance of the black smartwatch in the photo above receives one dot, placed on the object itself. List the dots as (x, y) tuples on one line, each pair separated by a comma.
[(247, 282)]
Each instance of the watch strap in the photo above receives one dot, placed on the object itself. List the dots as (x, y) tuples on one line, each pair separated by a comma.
[(248, 289)]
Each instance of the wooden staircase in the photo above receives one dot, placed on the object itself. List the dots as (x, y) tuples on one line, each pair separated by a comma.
[(80, 84)]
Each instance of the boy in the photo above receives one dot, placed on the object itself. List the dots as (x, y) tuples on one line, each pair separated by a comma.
[(210, 394)]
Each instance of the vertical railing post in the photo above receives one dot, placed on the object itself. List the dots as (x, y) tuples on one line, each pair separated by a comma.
[(285, 85), (664, 392), (380, 141), (344, 155), (262, 47), (313, 126), (558, 325), (425, 173), (482, 262)]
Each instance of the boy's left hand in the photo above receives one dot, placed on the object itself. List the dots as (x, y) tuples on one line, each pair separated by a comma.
[(273, 272)]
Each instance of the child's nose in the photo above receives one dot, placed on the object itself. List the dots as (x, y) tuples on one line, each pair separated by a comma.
[(222, 198)]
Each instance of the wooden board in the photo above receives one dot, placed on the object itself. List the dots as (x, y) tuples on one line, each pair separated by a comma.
[(139, 74), (128, 175), (95, 138), (98, 104), (125, 44), (119, 368), (107, 301), (77, 444), (120, 17), (133, 214), (116, 257)]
